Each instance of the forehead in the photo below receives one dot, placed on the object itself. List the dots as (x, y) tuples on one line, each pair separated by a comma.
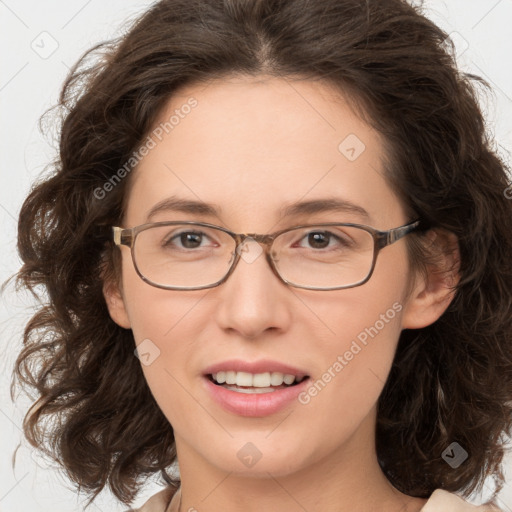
[(252, 145)]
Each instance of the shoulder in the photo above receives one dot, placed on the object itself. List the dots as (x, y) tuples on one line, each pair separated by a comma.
[(158, 502), (444, 501)]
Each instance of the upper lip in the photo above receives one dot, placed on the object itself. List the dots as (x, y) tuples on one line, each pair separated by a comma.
[(261, 366)]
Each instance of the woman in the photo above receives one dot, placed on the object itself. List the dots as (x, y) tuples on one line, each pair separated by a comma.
[(291, 211)]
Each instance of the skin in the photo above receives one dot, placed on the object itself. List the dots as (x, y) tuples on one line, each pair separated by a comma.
[(250, 146)]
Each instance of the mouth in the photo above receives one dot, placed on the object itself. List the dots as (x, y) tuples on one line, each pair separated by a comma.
[(255, 388), (255, 383)]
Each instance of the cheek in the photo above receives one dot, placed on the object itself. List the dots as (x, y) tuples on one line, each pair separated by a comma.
[(356, 360), (154, 312), (165, 326), (360, 315), (362, 326)]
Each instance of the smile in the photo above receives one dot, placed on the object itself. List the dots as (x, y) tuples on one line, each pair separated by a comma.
[(245, 382)]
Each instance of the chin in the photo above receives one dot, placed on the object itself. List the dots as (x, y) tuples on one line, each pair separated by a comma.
[(256, 459)]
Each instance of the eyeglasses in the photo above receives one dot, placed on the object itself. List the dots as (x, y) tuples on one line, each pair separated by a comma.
[(187, 255)]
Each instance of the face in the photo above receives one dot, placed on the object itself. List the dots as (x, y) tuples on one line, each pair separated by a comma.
[(250, 147)]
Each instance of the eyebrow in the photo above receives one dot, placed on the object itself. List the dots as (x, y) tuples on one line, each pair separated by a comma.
[(323, 205), (176, 204), (310, 207)]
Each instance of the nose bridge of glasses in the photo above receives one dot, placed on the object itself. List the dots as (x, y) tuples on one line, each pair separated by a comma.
[(251, 245), (255, 237)]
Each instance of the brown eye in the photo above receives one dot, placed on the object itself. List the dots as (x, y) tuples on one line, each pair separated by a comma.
[(185, 240), (190, 240), (319, 240)]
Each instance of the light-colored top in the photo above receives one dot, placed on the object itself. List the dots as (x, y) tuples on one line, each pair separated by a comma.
[(443, 501), (440, 501)]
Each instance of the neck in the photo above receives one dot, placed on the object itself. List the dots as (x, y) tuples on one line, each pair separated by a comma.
[(345, 480)]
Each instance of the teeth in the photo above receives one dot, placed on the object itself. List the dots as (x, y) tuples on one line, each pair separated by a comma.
[(244, 379), (258, 380), (276, 379), (289, 379)]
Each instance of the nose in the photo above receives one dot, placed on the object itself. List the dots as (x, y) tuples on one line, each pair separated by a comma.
[(253, 299)]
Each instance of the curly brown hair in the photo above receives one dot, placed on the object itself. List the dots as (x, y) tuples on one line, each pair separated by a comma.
[(450, 381)]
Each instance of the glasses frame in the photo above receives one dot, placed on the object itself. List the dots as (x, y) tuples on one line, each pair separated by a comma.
[(381, 239)]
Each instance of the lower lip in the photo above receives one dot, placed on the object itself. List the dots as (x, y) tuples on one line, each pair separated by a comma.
[(254, 405)]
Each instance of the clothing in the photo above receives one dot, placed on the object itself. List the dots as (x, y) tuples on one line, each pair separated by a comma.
[(443, 501), (440, 501)]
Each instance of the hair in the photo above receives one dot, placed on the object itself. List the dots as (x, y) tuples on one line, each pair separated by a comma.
[(450, 382)]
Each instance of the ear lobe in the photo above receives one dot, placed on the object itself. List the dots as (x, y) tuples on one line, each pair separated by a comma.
[(115, 304), (434, 291)]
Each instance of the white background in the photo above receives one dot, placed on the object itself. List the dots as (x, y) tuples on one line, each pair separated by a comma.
[(29, 84)]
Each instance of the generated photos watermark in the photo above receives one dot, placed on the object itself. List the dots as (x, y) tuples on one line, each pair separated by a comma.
[(249, 454), (351, 147), (357, 345), (150, 143), (454, 455), (147, 352)]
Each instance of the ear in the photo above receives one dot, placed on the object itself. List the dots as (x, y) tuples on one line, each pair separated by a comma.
[(434, 290), (115, 304)]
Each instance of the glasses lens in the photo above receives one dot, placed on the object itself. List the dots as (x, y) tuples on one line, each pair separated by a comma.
[(183, 255), (194, 256), (324, 256)]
